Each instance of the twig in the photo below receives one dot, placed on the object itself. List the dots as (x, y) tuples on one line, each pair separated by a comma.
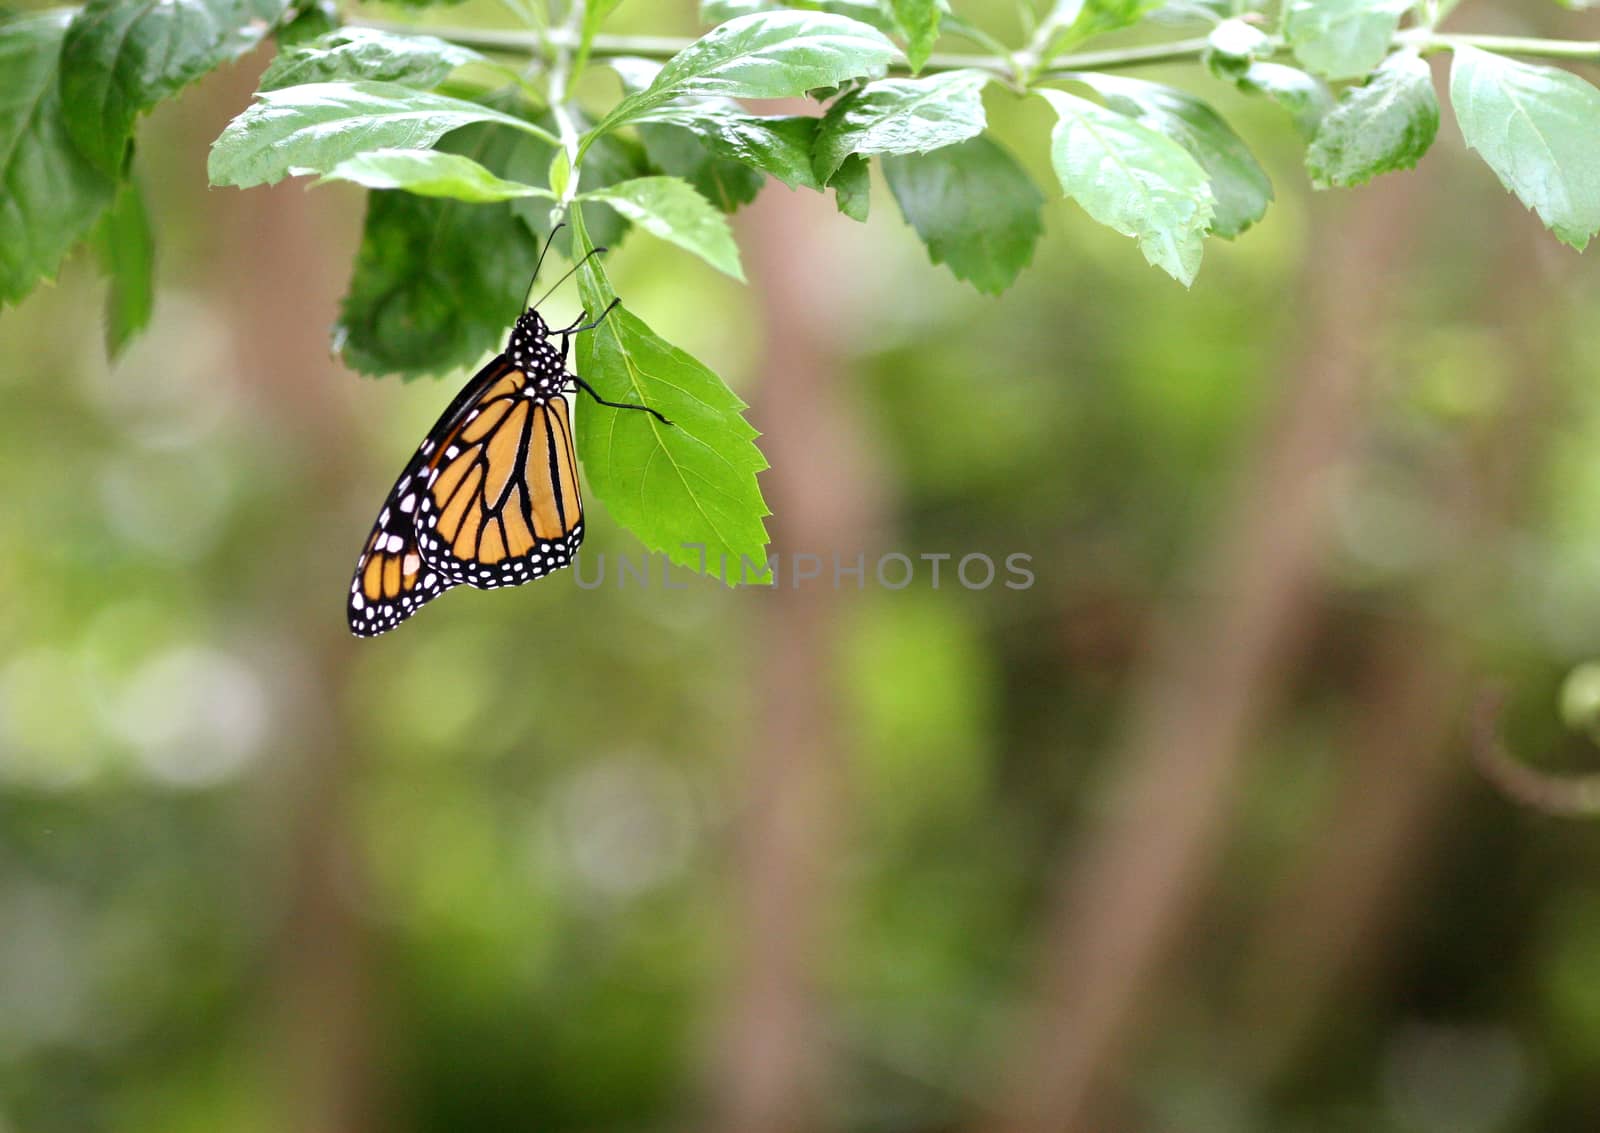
[(1568, 796), (565, 41), (526, 42)]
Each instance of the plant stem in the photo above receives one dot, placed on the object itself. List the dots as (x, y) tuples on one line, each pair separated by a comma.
[(565, 41), (566, 38), (1576, 50)]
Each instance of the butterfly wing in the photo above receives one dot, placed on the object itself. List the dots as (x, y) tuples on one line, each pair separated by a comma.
[(502, 505), (490, 499), (393, 578)]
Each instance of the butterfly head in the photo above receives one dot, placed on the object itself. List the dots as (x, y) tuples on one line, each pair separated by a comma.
[(533, 351)]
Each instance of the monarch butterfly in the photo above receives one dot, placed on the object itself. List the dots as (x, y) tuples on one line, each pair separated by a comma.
[(491, 497)]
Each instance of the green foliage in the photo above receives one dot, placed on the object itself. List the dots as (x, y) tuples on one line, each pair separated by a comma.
[(765, 55), (777, 146), (1232, 46), (594, 15), (315, 127), (852, 187), (901, 116), (1078, 20), (918, 21), (1133, 179), (1239, 185), (466, 183), (611, 159), (349, 54), (688, 489), (879, 14), (988, 246), (1387, 124), (437, 281), (1304, 96), (52, 194), (120, 59), (127, 255), (431, 173), (669, 207), (1536, 127), (1342, 39), (678, 152), (309, 20)]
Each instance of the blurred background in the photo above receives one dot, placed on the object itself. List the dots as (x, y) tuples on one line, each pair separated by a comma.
[(1185, 836)]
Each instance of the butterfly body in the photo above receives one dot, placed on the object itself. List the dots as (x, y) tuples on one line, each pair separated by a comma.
[(491, 497)]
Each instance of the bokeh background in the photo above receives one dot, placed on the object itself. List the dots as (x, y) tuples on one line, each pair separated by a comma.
[(1186, 836)]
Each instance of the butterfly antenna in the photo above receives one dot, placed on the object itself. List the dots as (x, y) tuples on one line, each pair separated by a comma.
[(545, 251), (567, 275)]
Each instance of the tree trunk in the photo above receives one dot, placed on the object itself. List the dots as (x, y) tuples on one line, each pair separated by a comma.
[(772, 1065)]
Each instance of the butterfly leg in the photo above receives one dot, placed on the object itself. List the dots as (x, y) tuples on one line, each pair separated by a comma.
[(612, 306), (588, 389), (567, 333)]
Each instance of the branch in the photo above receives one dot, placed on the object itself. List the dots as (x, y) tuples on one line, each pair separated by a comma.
[(1574, 50), (1568, 796), (1003, 66), (563, 71)]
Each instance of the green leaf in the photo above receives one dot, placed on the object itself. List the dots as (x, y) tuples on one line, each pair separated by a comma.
[(717, 11), (50, 194), (1134, 180), (852, 187), (975, 208), (1386, 125), (764, 55), (1239, 185), (1078, 20), (781, 146), (1206, 11), (678, 152), (309, 20), (610, 159), (312, 128), (430, 173), (119, 59), (366, 53), (901, 116), (1304, 96), (127, 255), (1232, 46), (688, 490), (919, 22), (594, 14), (1101, 16), (1342, 39), (670, 208), (876, 13), (1536, 127), (437, 281)]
